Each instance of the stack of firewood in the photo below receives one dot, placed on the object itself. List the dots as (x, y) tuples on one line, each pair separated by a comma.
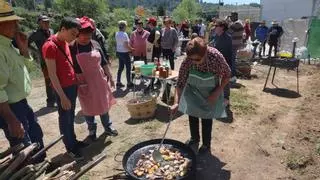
[(17, 163)]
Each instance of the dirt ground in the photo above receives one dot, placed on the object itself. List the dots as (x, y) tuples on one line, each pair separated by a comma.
[(274, 134)]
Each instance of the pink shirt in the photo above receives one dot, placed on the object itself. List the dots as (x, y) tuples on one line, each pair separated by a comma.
[(138, 41)]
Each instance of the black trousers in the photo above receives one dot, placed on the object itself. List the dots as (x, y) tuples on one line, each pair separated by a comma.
[(262, 48), (156, 53), (206, 125), (51, 97), (169, 54), (275, 46)]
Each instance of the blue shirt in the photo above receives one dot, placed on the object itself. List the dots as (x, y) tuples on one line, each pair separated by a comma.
[(262, 33)]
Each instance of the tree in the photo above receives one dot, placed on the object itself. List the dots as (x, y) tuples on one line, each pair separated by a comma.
[(161, 11), (47, 4), (254, 5), (27, 4), (90, 8), (187, 9)]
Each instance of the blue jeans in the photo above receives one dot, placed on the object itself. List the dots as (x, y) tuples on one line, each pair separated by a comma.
[(124, 60), (233, 61), (92, 124), (66, 118), (33, 131)]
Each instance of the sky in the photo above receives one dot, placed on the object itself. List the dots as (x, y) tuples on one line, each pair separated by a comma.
[(234, 1)]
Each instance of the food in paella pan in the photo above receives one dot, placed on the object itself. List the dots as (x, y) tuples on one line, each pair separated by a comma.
[(173, 166)]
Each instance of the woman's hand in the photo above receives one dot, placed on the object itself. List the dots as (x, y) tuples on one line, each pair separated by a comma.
[(112, 84), (174, 108), (213, 97)]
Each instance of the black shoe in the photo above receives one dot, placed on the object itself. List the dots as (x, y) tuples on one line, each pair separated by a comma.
[(110, 131), (92, 137), (81, 144), (194, 145), (50, 105), (204, 149), (130, 85), (76, 155), (120, 85)]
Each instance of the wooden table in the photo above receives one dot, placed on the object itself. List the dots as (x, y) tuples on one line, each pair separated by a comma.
[(165, 82)]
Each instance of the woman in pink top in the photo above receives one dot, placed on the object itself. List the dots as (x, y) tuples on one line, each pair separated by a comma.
[(138, 41)]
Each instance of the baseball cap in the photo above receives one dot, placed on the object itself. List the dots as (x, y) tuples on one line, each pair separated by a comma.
[(86, 22), (43, 18), (152, 20)]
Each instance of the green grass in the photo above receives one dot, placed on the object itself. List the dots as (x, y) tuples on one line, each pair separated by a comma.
[(243, 103), (296, 161), (152, 125)]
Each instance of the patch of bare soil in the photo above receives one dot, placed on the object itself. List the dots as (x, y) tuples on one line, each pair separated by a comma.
[(272, 135)]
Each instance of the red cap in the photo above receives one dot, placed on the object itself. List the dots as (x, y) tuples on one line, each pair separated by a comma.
[(86, 23), (152, 20)]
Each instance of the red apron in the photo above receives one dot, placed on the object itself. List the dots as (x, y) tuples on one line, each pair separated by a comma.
[(94, 91)]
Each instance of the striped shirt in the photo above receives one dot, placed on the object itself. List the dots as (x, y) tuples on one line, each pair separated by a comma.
[(236, 30)]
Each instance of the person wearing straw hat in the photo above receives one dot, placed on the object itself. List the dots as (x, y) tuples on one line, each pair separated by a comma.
[(39, 37), (274, 34), (17, 118)]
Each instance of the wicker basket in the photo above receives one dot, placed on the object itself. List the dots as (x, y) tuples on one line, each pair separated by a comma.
[(142, 110), (243, 68)]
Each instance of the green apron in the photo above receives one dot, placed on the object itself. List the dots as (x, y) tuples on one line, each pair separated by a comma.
[(194, 97)]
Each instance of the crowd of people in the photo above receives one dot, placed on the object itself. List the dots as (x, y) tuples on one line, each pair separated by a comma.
[(75, 64)]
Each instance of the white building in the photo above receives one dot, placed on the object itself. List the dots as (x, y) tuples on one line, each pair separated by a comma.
[(286, 9), (244, 12)]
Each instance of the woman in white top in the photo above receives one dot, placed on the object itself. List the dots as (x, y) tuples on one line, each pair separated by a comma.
[(123, 49)]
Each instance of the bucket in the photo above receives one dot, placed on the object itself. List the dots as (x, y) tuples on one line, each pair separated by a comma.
[(147, 69)]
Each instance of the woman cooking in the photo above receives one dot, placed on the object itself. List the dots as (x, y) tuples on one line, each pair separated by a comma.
[(202, 78), (94, 76)]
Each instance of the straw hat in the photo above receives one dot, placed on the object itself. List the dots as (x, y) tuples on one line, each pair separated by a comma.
[(7, 13)]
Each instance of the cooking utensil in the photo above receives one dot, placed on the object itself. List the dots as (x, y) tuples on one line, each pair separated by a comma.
[(156, 155), (132, 156)]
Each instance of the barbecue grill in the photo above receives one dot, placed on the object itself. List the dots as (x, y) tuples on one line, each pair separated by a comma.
[(289, 64)]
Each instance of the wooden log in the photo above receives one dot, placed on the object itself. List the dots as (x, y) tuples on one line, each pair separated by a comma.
[(14, 149), (28, 176), (69, 166), (52, 174), (88, 167), (22, 172), (6, 159), (21, 157), (41, 170), (43, 150)]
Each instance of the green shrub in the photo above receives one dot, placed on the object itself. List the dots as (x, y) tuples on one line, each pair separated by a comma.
[(33, 69)]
